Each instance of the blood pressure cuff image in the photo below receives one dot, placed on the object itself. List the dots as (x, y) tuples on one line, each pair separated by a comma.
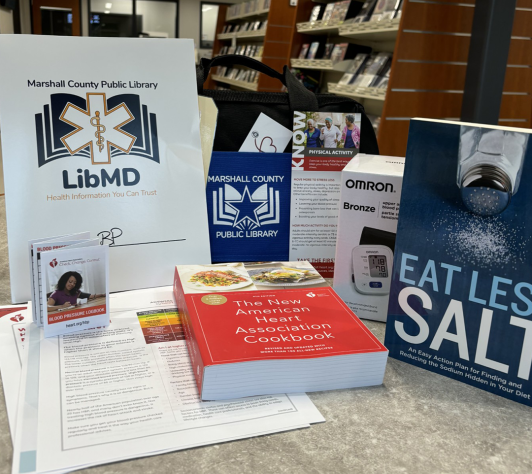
[(371, 236)]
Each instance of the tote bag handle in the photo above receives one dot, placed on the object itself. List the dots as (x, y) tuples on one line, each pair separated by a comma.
[(299, 97)]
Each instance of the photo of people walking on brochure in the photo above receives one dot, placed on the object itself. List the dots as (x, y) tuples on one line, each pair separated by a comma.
[(326, 134), (332, 130)]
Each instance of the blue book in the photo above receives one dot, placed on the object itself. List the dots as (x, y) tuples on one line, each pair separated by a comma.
[(248, 203), (461, 295)]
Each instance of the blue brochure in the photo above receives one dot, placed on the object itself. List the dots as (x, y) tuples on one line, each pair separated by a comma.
[(461, 296), (248, 202)]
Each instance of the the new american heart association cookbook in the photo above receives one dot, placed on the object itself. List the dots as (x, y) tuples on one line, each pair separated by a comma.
[(256, 329)]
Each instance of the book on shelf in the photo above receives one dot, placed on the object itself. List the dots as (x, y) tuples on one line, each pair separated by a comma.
[(304, 51), (338, 52), (327, 12), (382, 80), (328, 50), (354, 69), (343, 10), (392, 10), (365, 12), (257, 329), (316, 13), (315, 50), (372, 69), (355, 82), (386, 10), (346, 51), (460, 301)]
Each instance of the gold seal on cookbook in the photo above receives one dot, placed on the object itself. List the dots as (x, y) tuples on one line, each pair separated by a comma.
[(214, 300)]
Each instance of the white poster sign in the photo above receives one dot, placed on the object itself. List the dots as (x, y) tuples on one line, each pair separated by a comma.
[(102, 134)]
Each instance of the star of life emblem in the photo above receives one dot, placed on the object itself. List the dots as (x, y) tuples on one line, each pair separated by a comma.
[(246, 210), (97, 128)]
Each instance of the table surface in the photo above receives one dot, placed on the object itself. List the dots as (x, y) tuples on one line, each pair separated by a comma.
[(416, 422)]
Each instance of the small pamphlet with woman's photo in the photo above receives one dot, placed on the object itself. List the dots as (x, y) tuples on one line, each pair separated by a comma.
[(74, 287), (326, 134)]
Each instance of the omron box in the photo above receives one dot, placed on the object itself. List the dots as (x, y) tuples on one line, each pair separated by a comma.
[(369, 207)]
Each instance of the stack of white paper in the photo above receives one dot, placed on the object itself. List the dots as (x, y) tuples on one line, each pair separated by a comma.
[(127, 389)]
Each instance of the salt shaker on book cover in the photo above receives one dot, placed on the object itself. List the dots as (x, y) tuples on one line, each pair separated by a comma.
[(490, 166), (258, 329), (460, 298)]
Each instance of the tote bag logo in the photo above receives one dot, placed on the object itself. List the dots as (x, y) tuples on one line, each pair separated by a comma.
[(95, 127), (246, 210)]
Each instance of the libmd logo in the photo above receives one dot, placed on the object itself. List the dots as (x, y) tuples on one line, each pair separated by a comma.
[(100, 129), (246, 211), (97, 128)]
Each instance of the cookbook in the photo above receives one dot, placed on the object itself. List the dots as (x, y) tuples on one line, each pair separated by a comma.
[(275, 327)]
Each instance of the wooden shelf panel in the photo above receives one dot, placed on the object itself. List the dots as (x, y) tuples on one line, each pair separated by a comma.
[(426, 46), (430, 76), (445, 18), (250, 86), (439, 104)]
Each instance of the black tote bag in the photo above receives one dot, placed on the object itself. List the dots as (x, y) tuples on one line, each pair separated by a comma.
[(238, 111)]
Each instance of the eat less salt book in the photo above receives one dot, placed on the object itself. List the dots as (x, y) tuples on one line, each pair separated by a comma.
[(272, 328), (461, 293)]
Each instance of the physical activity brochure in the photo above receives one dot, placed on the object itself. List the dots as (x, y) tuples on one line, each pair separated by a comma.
[(323, 144)]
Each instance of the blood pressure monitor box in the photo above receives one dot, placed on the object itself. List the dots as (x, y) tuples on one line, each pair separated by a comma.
[(367, 224)]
